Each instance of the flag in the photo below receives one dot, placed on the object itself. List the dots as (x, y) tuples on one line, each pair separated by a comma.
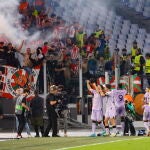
[(125, 81), (12, 78)]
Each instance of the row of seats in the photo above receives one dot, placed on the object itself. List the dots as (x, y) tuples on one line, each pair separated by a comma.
[(140, 6), (122, 32)]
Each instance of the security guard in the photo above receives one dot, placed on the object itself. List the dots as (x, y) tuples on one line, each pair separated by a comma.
[(147, 67), (139, 62), (133, 51), (98, 33), (80, 38)]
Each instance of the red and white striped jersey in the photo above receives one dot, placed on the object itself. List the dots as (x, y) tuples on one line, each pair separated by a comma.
[(75, 52)]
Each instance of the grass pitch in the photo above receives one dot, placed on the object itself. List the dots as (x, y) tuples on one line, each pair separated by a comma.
[(76, 143)]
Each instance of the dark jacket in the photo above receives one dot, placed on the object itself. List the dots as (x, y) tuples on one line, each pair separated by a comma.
[(36, 105)]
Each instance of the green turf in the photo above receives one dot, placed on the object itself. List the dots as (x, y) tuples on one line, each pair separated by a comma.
[(59, 143), (139, 144)]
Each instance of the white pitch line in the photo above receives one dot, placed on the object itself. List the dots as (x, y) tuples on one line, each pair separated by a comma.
[(100, 143)]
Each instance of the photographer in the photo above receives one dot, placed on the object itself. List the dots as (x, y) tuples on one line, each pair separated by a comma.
[(51, 102), (62, 107), (130, 116)]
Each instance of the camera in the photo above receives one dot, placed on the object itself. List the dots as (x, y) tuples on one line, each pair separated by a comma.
[(62, 103)]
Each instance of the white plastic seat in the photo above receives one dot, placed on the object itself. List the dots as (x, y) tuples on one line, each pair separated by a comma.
[(147, 2), (146, 48), (147, 40), (126, 22), (148, 35), (130, 40), (125, 30), (120, 46), (141, 37), (140, 5), (132, 3), (146, 12)]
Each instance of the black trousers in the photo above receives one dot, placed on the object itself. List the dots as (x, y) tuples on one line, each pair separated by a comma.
[(36, 128), (22, 121), (129, 126), (148, 78), (52, 122)]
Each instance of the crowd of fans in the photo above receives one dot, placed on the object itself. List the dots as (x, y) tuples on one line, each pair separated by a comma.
[(62, 52)]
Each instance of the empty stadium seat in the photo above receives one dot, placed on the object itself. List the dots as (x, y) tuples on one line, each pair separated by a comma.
[(140, 5), (132, 3), (146, 12)]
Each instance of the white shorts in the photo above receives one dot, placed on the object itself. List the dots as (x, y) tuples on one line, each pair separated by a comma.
[(110, 112), (97, 115)]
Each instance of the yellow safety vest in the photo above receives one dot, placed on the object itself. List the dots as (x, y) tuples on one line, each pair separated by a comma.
[(35, 13), (124, 57), (147, 66), (137, 62), (133, 51), (98, 33), (79, 39)]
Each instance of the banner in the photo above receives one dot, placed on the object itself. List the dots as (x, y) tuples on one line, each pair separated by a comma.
[(13, 78), (136, 82)]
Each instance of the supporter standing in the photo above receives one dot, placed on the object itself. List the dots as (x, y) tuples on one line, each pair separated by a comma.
[(59, 73), (100, 67), (45, 48), (37, 60), (67, 71), (11, 54), (85, 67), (71, 32), (128, 65), (51, 65), (92, 65), (27, 64), (102, 45)]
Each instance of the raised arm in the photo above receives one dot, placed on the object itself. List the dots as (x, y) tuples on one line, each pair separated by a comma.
[(21, 45), (95, 87), (88, 85), (100, 90)]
